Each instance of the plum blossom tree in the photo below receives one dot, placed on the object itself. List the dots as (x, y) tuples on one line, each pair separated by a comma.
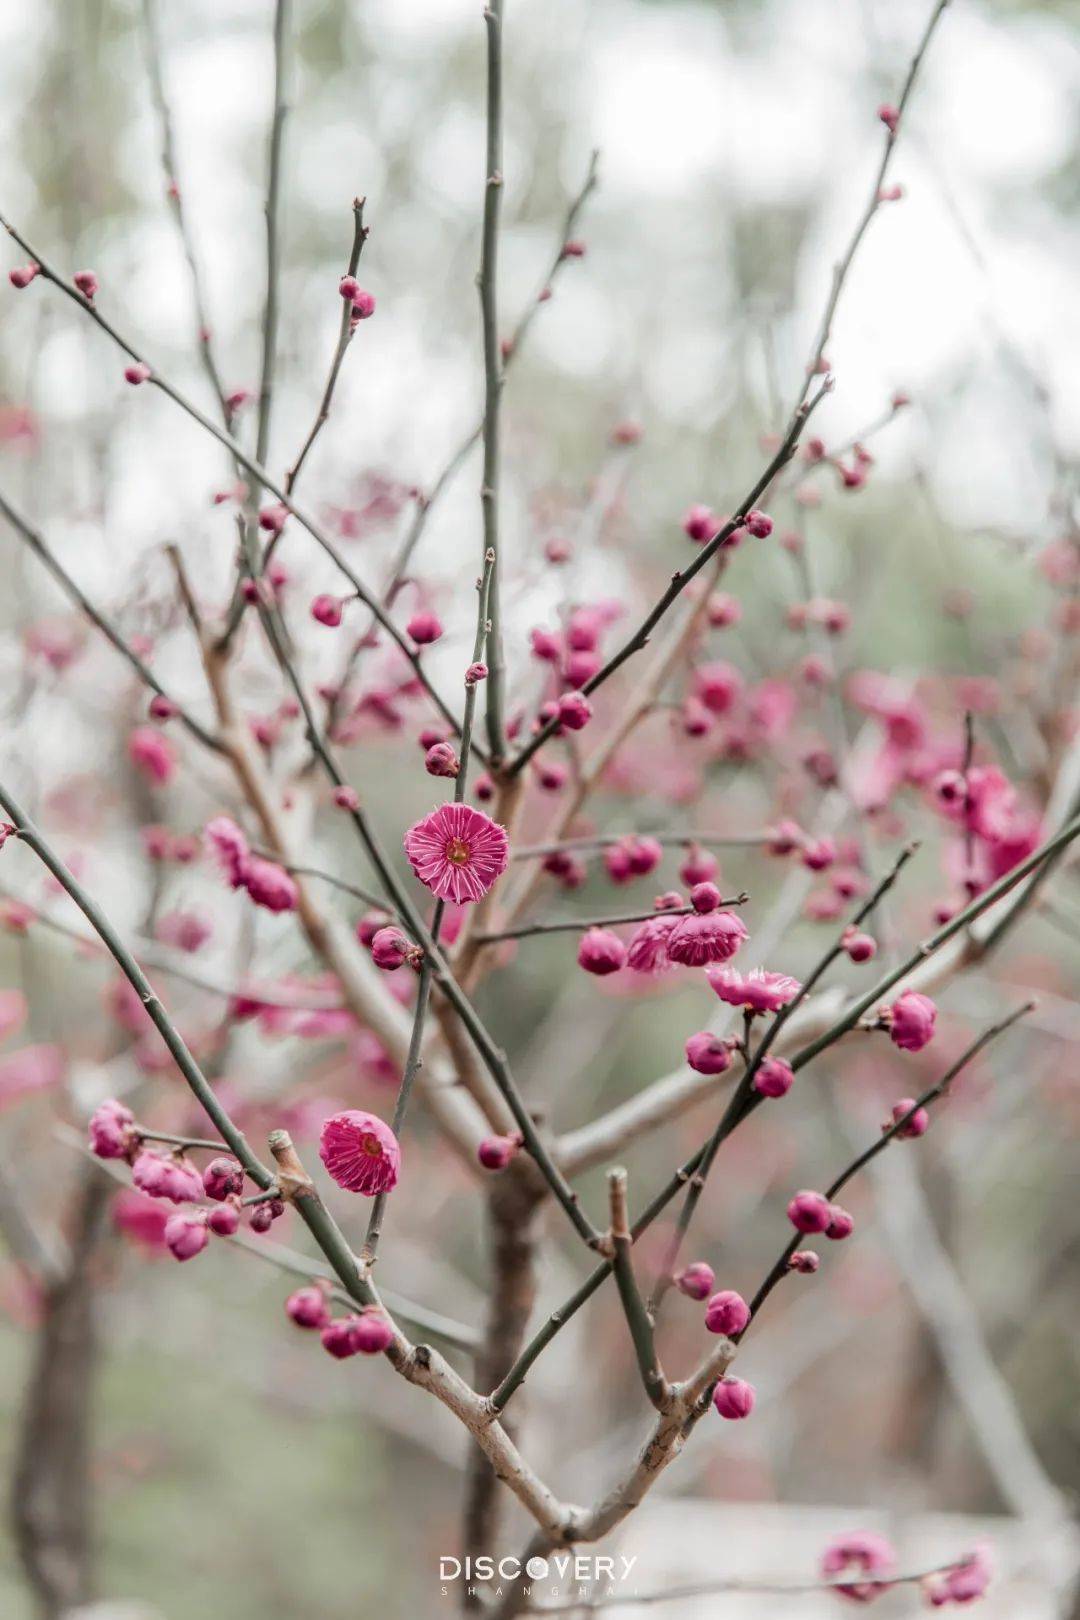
[(409, 935)]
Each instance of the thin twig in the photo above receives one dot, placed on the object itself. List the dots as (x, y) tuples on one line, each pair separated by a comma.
[(637, 1316), (682, 577), (257, 471), (41, 549), (487, 283), (571, 925)]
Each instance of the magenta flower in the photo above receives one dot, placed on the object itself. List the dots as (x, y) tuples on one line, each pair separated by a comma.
[(810, 1212), (695, 1280), (707, 1053), (186, 1235), (360, 1151), (221, 1177), (495, 1152), (458, 852), (647, 950), (860, 1552), (917, 1125), (372, 1333), (162, 1177), (111, 1130), (270, 886), (153, 754), (712, 936), (759, 991), (224, 1219), (308, 1307), (601, 952), (727, 1312), (229, 848), (774, 1078), (734, 1398), (910, 1021)]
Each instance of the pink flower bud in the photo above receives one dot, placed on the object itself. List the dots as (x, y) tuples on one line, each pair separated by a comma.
[(723, 610), (441, 760), (573, 250), (700, 524), (699, 866), (695, 1280), (162, 707), (759, 524), (804, 1261), (707, 1053), (261, 1218), (269, 885), (727, 1312), (345, 797), (390, 948), (484, 788), (326, 609), (775, 1078), (424, 628), (785, 838), (172, 1178), (627, 433), (917, 1125), (841, 1224), (910, 1021), (111, 1130), (348, 287), (138, 372), (224, 1220), (273, 519), (338, 1337), (860, 947), (575, 710), (950, 787), (889, 116), (734, 1398), (475, 674), (818, 854), (809, 1212), (223, 1176), (153, 754), (718, 686), (601, 952), (363, 304), (557, 550), (186, 1235), (495, 1152), (308, 1307), (86, 281), (551, 776), (705, 896), (23, 275), (545, 645), (372, 1333)]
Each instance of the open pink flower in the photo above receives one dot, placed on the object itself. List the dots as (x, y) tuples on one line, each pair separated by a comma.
[(860, 1552), (712, 937), (647, 951), (360, 1151), (167, 1176), (458, 852), (759, 991)]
